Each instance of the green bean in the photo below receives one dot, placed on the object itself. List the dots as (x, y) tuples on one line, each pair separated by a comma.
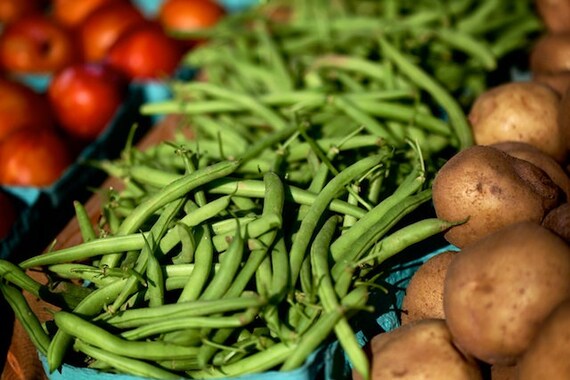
[(456, 115), (412, 183), (102, 246), (155, 281), (155, 233), (202, 269), (89, 306), (375, 232), (254, 363), (405, 113), (84, 222), (188, 244), (468, 44), (125, 364), (142, 316), (173, 324), (252, 231), (66, 296), (371, 124), (26, 317), (244, 100), (222, 280), (312, 339), (88, 273), (255, 189), (196, 217), (99, 337), (320, 204), (170, 192), (405, 237), (320, 264), (281, 78)]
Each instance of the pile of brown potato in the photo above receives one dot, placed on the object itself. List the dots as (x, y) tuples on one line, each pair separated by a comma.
[(498, 307)]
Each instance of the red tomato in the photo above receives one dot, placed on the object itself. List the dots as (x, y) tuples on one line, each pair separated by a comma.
[(36, 44), (84, 98), (30, 157), (72, 13), (22, 107), (104, 26), (145, 52), (8, 214), (184, 15), (11, 10)]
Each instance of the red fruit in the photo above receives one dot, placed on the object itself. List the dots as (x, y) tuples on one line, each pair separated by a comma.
[(11, 10), (104, 26), (30, 157), (145, 52), (181, 15), (36, 44), (85, 97), (22, 107), (72, 13)]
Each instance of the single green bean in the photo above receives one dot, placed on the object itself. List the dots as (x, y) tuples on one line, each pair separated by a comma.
[(320, 250), (26, 317), (404, 238), (125, 364), (202, 269), (132, 318), (102, 246), (255, 363), (99, 337), (222, 280), (172, 324), (84, 222)]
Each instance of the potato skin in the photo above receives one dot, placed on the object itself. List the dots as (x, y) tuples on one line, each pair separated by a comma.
[(420, 350), (558, 221), (551, 53), (532, 154), (491, 189), (499, 290), (555, 14), (564, 117), (547, 357), (519, 111), (424, 293)]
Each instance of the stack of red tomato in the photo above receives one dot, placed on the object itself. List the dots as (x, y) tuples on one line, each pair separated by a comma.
[(90, 50)]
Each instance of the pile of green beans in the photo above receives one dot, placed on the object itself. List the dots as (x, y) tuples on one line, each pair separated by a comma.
[(258, 239), (200, 271)]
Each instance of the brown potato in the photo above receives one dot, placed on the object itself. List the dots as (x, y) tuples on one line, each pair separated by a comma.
[(555, 14), (549, 353), (424, 293), (503, 372), (532, 154), (564, 117), (419, 350), (558, 221), (519, 111), (490, 189), (559, 82), (499, 290), (551, 53)]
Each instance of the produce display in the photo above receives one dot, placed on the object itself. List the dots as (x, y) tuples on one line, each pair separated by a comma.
[(60, 81), (333, 164)]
